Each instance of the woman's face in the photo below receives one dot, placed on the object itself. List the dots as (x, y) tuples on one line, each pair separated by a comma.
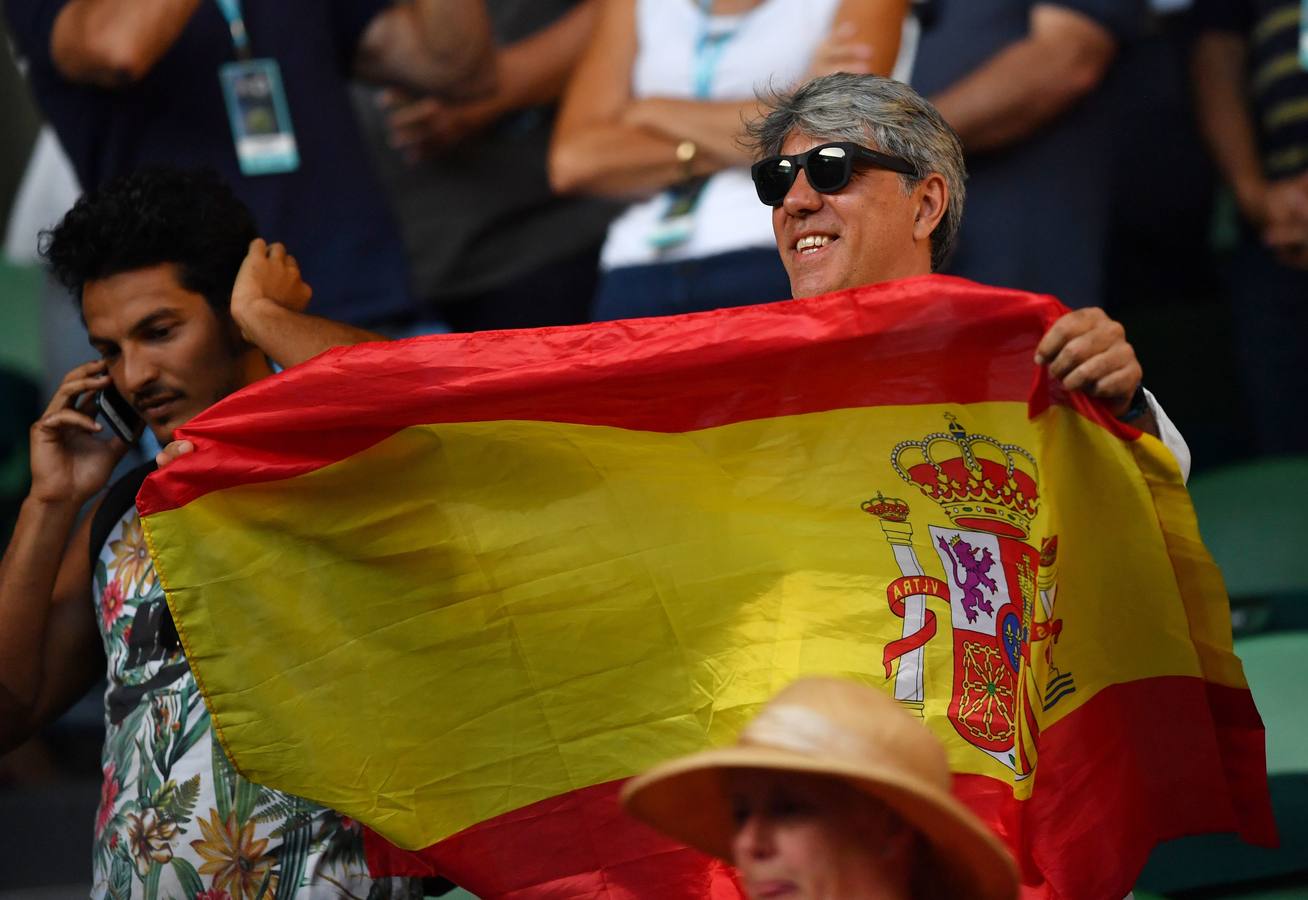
[(813, 837)]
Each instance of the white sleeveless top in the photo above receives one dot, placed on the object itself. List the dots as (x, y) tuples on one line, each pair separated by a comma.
[(771, 48)]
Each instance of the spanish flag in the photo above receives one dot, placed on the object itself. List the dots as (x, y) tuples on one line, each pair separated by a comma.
[(461, 587)]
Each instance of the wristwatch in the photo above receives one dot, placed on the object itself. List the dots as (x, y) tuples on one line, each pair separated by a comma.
[(686, 153), (1139, 405)]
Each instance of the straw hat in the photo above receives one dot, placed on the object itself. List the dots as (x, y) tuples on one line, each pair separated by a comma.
[(831, 726)]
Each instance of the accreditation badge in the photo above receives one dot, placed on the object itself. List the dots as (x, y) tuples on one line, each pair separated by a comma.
[(1303, 35), (677, 223), (260, 117)]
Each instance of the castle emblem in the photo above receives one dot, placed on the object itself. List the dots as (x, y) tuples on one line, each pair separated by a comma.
[(1000, 590)]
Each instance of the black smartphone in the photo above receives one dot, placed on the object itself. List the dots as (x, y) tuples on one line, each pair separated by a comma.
[(118, 413)]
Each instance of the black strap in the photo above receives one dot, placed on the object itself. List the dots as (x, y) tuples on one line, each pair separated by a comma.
[(120, 497), (1139, 405)]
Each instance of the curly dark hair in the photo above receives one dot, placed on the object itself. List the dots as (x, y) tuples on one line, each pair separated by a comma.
[(155, 215)]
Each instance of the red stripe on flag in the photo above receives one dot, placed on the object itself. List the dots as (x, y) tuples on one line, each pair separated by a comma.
[(578, 845), (1114, 778), (932, 339), (1119, 775)]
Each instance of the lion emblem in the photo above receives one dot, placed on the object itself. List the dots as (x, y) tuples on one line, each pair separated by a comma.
[(970, 575)]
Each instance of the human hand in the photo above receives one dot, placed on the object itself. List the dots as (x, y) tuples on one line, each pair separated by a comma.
[(840, 53), (69, 463), (268, 273), (1087, 351), (424, 127), (172, 452), (1290, 244), (1285, 228), (1295, 255)]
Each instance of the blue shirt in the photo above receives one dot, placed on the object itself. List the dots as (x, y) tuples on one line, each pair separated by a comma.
[(1037, 211), (330, 213)]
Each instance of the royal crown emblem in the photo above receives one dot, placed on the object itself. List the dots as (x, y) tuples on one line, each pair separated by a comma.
[(889, 509), (979, 482)]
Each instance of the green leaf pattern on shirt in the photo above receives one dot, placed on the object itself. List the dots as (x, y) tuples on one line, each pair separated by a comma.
[(176, 821)]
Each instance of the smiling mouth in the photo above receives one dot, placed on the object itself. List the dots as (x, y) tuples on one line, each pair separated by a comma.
[(812, 243)]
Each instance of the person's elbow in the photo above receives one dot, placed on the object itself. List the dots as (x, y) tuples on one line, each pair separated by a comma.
[(1073, 52), (568, 166), (107, 58), (1084, 70), (15, 722)]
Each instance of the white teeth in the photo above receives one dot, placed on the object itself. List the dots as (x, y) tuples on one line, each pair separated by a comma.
[(811, 242)]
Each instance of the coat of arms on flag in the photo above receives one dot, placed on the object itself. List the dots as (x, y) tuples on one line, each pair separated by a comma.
[(1000, 589)]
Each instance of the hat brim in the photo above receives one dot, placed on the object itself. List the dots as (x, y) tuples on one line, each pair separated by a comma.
[(685, 799)]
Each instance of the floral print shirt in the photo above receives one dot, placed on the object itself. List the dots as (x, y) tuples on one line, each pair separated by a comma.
[(176, 822)]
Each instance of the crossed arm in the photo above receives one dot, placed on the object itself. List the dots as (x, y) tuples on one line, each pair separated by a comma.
[(529, 72), (436, 46), (441, 47), (608, 143), (1031, 81), (111, 43)]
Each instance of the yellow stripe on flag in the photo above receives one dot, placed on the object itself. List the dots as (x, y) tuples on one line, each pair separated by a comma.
[(468, 618)]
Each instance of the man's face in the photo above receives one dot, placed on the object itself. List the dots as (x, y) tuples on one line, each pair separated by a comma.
[(865, 232), (169, 355)]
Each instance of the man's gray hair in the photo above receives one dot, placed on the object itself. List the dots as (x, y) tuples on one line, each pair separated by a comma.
[(892, 116)]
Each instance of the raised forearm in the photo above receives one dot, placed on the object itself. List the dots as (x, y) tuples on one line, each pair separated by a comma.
[(288, 337), (115, 42), (715, 127)]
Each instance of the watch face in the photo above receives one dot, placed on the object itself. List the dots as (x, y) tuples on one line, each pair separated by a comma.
[(1139, 406)]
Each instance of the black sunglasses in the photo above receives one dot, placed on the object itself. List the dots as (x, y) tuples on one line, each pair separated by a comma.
[(828, 167)]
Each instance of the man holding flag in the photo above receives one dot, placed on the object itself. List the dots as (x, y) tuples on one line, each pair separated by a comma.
[(880, 224), (890, 207), (558, 557)]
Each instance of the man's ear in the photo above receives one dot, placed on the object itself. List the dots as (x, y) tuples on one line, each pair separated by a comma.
[(932, 200)]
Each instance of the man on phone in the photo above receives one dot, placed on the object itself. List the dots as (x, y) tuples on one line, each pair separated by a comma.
[(184, 306)]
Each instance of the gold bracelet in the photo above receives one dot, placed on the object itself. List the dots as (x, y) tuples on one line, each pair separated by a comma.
[(686, 153)]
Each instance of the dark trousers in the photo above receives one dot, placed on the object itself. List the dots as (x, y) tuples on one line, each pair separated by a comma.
[(1270, 309)]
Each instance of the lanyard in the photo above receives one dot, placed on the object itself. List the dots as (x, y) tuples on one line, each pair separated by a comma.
[(709, 48), (231, 10)]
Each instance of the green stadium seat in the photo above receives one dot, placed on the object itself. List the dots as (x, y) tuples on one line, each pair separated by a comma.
[(1254, 520), (20, 319)]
